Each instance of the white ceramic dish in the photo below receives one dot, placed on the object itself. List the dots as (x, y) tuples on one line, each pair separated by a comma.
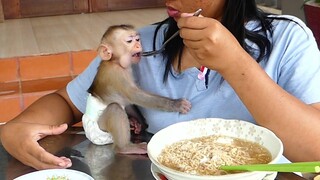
[(44, 174), (214, 126)]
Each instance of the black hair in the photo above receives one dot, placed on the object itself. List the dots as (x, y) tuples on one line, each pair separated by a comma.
[(236, 13)]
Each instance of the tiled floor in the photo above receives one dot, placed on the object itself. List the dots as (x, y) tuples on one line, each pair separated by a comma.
[(76, 32)]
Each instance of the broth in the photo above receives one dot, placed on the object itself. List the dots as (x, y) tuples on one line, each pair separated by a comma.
[(204, 155)]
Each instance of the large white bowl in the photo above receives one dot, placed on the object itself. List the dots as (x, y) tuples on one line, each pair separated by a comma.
[(213, 126)]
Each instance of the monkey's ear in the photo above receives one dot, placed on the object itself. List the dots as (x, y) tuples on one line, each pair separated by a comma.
[(105, 52)]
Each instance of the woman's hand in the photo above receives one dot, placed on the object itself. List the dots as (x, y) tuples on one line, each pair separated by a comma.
[(20, 139), (209, 42)]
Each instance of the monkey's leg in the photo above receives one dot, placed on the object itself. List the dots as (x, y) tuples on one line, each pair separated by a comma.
[(115, 121)]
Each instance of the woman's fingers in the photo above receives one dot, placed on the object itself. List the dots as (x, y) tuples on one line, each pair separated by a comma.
[(42, 158), (193, 22), (209, 42), (47, 161), (195, 29), (39, 158), (47, 130), (23, 144)]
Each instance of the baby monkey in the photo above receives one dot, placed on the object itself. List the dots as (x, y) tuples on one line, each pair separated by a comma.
[(114, 86)]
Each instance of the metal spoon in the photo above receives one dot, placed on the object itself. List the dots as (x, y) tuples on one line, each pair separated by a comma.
[(150, 53)]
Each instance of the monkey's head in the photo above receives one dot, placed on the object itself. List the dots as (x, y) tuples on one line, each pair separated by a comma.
[(121, 44)]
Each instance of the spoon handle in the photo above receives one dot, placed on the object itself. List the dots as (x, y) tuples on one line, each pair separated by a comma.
[(197, 13), (310, 167)]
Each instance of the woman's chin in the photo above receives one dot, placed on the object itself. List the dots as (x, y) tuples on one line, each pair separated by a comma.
[(176, 18)]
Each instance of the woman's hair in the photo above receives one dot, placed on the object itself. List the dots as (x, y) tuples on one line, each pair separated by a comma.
[(236, 13)]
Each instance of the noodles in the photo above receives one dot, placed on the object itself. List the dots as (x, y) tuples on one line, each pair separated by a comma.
[(204, 155)]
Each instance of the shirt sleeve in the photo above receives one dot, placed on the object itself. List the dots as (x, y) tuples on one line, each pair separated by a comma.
[(298, 71), (77, 88)]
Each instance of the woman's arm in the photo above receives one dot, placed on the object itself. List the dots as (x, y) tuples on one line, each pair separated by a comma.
[(295, 122), (47, 116)]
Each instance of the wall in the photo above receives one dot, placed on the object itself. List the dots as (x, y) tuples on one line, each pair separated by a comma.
[(23, 80), (13, 9), (1, 13), (270, 3), (293, 7)]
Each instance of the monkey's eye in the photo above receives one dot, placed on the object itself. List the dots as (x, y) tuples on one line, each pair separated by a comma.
[(137, 38), (129, 39)]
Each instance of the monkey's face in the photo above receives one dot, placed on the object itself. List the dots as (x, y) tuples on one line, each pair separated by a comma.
[(130, 51)]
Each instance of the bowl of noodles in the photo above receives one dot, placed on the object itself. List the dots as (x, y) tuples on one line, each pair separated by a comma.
[(196, 149)]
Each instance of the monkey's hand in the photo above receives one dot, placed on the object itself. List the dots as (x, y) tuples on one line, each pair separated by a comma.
[(135, 126), (182, 105), (140, 148)]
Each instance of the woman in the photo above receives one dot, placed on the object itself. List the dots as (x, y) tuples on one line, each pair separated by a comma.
[(263, 69)]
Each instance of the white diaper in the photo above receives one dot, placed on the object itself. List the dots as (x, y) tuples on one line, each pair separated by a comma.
[(90, 122)]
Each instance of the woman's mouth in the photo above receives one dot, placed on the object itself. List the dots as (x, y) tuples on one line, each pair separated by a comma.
[(172, 12)]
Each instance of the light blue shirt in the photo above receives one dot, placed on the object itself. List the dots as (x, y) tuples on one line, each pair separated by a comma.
[(294, 64)]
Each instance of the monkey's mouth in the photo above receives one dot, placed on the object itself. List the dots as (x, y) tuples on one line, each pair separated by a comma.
[(137, 55)]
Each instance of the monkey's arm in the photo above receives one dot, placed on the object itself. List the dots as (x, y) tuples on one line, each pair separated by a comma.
[(142, 98), (125, 86), (116, 84), (153, 101)]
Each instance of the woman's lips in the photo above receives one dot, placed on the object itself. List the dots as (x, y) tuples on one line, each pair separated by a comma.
[(172, 12)]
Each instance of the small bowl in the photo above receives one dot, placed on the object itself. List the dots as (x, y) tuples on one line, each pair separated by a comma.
[(214, 126)]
